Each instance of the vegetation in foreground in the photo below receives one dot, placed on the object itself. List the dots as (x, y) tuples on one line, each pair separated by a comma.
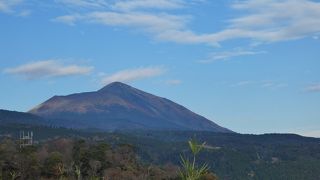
[(190, 169), (229, 156), (76, 159), (67, 158)]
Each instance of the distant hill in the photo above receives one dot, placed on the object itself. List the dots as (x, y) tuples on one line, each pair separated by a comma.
[(14, 117), (118, 106)]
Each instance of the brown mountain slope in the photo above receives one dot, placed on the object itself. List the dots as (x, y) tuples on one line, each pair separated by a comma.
[(120, 106)]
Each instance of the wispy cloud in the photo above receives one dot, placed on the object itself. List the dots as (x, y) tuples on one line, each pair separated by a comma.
[(124, 5), (24, 13), (84, 3), (265, 84), (313, 88), (216, 56), (68, 19), (147, 4), (242, 83), (173, 82), (162, 26), (270, 20), (147, 21), (48, 68), (261, 21), (7, 6), (129, 75), (273, 84)]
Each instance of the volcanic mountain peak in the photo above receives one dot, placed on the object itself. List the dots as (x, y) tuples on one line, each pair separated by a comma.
[(120, 106), (115, 86)]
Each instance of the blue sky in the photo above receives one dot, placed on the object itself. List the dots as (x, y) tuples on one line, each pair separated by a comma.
[(251, 66)]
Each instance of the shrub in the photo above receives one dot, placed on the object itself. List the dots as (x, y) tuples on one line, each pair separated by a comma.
[(190, 170)]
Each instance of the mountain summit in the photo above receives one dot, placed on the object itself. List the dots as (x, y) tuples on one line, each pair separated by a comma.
[(119, 106)]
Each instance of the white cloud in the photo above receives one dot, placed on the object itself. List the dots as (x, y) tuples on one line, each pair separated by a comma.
[(173, 82), (147, 4), (48, 68), (6, 6), (162, 26), (84, 3), (242, 83), (68, 19), (270, 20), (215, 56), (313, 88), (124, 5), (148, 21), (265, 84), (24, 13), (129, 75), (261, 21), (272, 84)]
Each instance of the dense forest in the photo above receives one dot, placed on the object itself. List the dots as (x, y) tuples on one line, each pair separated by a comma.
[(79, 155), (65, 158), (67, 153)]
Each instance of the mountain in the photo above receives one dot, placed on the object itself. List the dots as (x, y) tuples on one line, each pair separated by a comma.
[(118, 106), (14, 117)]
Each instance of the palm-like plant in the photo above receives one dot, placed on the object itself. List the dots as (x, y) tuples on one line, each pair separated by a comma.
[(195, 147), (14, 175), (77, 172), (190, 171)]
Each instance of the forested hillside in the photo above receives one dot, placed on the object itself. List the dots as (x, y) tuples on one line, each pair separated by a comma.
[(230, 156)]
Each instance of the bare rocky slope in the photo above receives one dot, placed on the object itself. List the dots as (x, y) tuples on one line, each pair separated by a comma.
[(118, 106)]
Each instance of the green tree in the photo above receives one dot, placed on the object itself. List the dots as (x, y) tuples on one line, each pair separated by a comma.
[(81, 156), (98, 162), (28, 163), (53, 165)]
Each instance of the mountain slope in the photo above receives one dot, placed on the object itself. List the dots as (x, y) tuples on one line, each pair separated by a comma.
[(13, 117), (118, 106)]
